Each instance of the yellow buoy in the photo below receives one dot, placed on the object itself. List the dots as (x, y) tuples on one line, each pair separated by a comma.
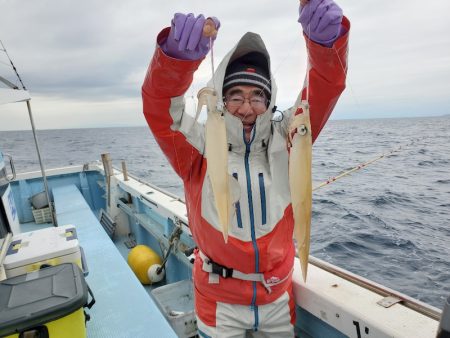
[(144, 262)]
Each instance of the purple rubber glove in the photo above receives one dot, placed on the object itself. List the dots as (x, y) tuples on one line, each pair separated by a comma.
[(186, 40), (321, 21)]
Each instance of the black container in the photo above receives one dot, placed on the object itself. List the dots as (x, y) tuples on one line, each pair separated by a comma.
[(49, 301)]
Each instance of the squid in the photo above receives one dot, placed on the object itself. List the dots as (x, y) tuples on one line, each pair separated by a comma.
[(217, 156), (300, 181)]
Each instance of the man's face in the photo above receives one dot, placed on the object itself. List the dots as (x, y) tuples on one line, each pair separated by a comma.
[(246, 103)]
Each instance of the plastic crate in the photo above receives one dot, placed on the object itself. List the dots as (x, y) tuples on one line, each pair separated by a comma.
[(42, 215), (176, 301)]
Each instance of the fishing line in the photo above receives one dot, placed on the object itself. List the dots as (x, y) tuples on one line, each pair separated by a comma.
[(212, 62), (190, 175), (308, 67), (12, 65), (353, 95), (5, 64), (195, 206)]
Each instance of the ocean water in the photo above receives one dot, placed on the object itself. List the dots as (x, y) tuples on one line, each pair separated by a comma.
[(388, 222)]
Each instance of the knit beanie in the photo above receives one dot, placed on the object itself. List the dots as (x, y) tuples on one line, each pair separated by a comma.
[(251, 69)]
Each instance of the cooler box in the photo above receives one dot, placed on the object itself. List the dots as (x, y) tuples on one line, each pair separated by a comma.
[(44, 303), (29, 251)]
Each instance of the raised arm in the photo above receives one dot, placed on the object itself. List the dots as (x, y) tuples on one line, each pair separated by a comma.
[(180, 50), (326, 33)]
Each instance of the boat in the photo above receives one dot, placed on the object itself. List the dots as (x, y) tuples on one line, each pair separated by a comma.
[(114, 211)]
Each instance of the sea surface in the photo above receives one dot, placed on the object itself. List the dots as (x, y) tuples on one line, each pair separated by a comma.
[(388, 222)]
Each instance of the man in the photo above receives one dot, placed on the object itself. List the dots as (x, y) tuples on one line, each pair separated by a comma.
[(245, 285)]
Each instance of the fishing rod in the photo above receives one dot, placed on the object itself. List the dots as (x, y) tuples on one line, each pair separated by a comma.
[(44, 177), (13, 67), (363, 165)]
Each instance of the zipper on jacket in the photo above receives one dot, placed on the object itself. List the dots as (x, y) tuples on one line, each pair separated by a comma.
[(262, 193), (238, 207), (252, 223)]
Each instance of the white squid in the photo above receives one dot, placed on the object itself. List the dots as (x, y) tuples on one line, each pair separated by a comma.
[(300, 181), (217, 157)]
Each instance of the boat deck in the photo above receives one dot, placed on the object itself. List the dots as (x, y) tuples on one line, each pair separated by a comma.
[(334, 303), (123, 307)]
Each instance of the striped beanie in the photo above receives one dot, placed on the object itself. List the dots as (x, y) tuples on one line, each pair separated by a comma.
[(251, 69)]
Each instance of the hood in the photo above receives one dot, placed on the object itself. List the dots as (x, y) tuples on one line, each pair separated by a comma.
[(250, 42)]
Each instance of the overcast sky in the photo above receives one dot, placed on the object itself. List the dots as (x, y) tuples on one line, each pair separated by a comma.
[(84, 61)]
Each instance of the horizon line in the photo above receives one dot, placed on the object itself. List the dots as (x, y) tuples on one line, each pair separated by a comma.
[(145, 125)]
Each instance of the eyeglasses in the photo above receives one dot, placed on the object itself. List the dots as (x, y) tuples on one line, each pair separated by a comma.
[(236, 101)]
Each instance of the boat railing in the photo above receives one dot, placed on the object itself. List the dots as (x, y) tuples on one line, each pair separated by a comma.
[(140, 180), (395, 296)]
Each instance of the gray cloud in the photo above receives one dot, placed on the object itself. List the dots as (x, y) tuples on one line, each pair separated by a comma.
[(77, 53)]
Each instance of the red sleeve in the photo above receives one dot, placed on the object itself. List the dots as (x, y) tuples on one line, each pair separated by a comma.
[(167, 78), (327, 74)]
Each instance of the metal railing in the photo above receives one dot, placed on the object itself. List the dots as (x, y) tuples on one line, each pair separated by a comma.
[(409, 302)]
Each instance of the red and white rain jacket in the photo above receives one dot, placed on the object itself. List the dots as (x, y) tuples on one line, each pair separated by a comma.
[(261, 230)]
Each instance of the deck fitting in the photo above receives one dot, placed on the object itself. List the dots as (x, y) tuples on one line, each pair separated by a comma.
[(388, 301)]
